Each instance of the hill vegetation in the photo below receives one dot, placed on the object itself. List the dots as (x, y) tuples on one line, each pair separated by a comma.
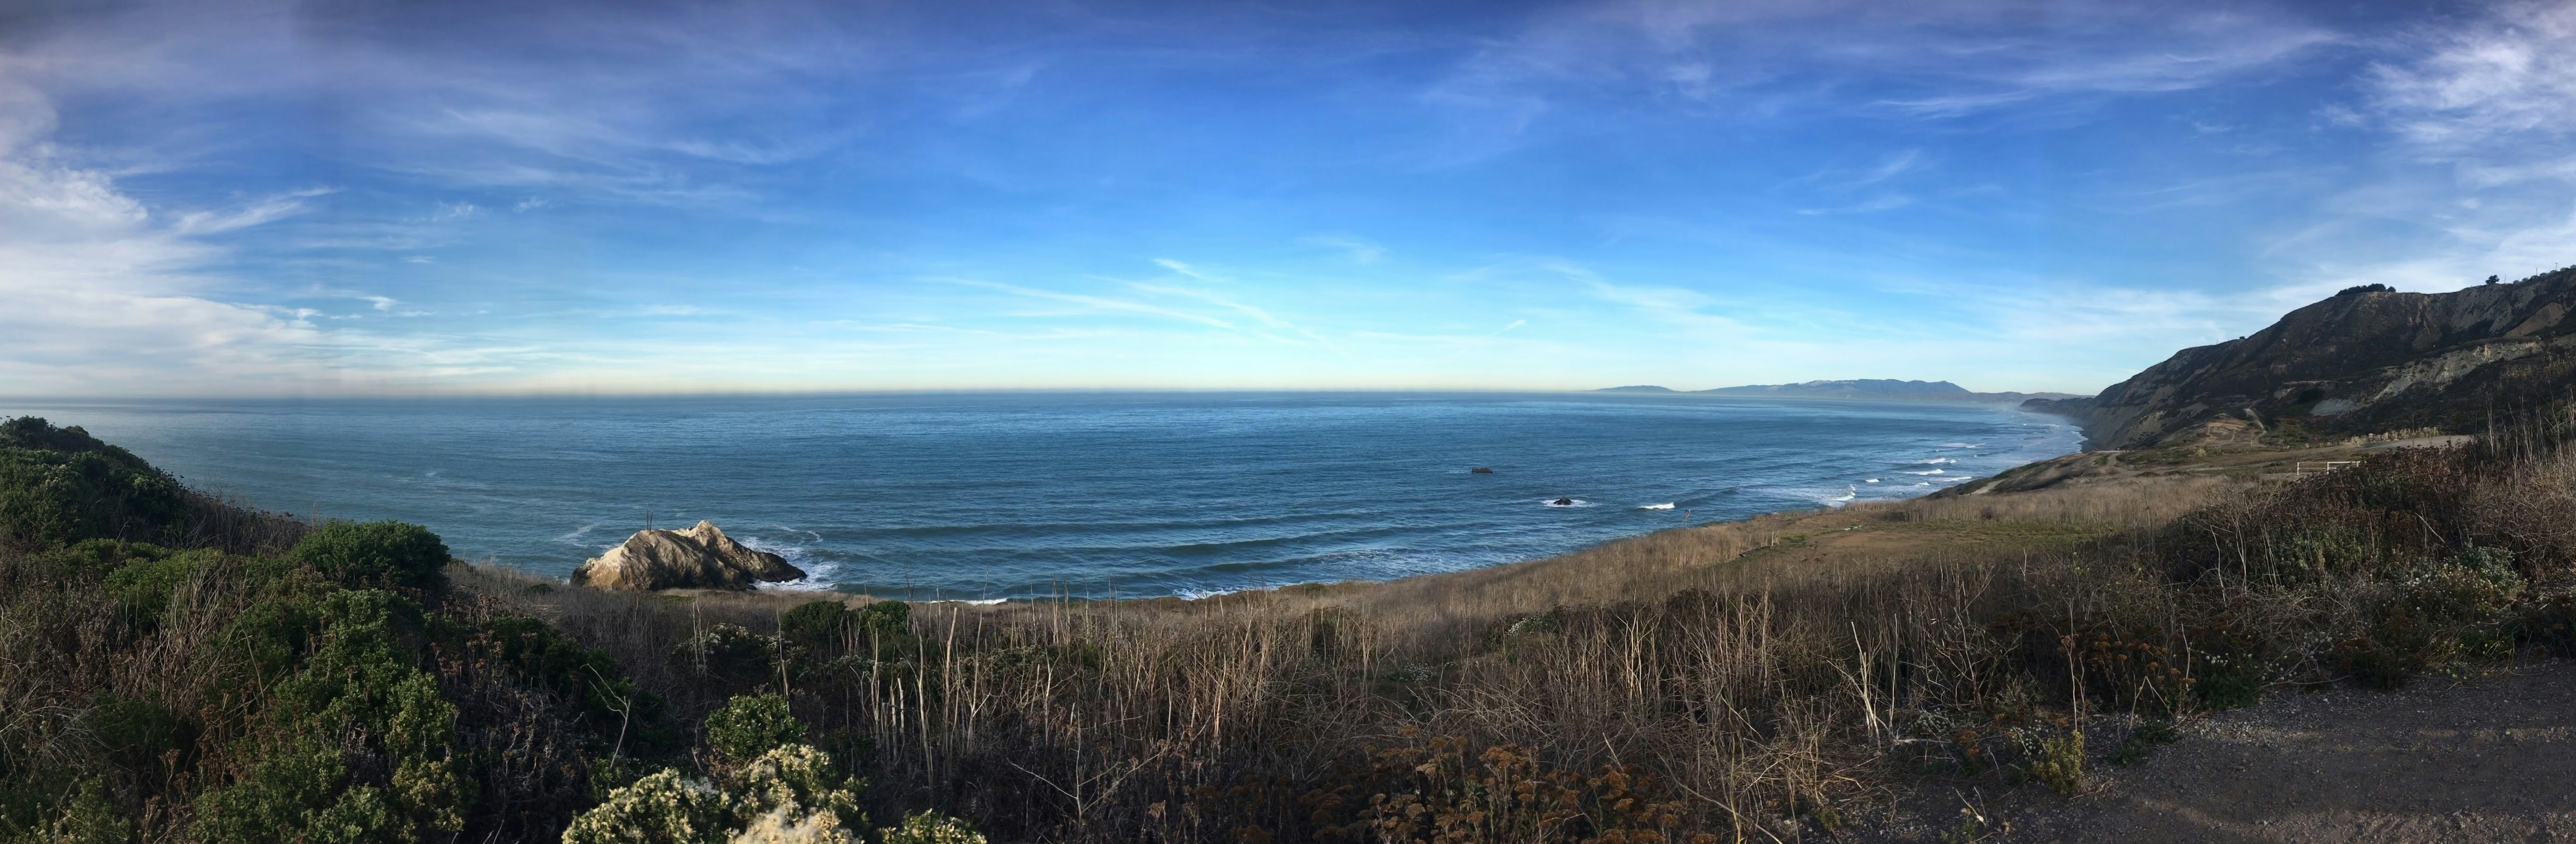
[(1784, 676), (2366, 360), (176, 669)]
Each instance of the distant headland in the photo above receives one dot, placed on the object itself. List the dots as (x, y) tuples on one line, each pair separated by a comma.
[(1855, 389)]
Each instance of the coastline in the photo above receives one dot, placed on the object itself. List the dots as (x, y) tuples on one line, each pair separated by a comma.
[(1062, 495)]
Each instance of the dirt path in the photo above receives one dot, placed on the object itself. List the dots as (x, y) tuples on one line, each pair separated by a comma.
[(2492, 759)]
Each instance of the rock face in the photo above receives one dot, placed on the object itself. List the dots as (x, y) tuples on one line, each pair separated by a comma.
[(2362, 361), (702, 557)]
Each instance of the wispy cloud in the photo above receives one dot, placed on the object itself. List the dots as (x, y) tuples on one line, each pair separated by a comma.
[(2508, 77), (268, 210), (1887, 202), (1949, 58), (1360, 251), (1096, 304)]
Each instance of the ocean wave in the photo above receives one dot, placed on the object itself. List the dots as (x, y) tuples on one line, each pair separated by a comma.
[(1930, 472), (1664, 506), (1870, 480), (1963, 445), (1933, 461), (819, 574), (577, 533)]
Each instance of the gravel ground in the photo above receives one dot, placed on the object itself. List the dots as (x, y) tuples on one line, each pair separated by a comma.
[(2489, 759)]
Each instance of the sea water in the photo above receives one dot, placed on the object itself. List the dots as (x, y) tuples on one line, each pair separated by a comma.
[(993, 495)]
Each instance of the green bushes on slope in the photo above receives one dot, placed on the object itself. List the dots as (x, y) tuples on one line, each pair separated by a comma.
[(61, 485), (338, 690), (769, 789)]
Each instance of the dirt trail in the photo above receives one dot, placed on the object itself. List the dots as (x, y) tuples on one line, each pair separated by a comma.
[(2492, 759)]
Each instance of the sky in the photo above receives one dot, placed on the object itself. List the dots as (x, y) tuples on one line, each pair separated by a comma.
[(304, 199)]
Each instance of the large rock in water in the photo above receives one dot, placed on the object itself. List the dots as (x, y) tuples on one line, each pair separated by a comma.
[(702, 557)]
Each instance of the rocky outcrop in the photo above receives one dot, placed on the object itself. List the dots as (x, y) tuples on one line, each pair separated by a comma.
[(2358, 362), (702, 557)]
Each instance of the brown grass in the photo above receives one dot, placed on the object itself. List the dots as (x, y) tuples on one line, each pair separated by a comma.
[(1752, 691)]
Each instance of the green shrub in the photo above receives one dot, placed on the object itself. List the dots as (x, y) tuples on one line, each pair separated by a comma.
[(87, 817), (750, 725), (135, 734), (786, 794), (930, 828), (815, 624), (735, 655), (60, 485), (302, 793), (609, 700), (144, 583), (831, 628), (375, 555), (661, 808), (356, 745), (2060, 763)]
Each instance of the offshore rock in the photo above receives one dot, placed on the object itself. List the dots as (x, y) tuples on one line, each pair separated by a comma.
[(702, 557)]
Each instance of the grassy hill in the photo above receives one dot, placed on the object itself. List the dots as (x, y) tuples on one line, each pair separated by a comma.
[(2366, 360), (1770, 678)]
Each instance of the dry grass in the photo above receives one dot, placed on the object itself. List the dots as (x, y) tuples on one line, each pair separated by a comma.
[(1750, 690)]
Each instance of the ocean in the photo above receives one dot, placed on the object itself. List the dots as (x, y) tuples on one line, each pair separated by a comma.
[(995, 495)]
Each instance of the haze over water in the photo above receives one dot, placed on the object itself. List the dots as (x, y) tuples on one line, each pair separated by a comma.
[(994, 495)]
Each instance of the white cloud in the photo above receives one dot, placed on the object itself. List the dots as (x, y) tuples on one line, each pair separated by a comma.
[(101, 300), (1360, 251), (2504, 79), (1947, 57), (268, 210), (2479, 178), (1097, 304)]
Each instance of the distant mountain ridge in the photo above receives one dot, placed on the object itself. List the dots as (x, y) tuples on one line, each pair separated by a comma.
[(2366, 360), (1856, 389)]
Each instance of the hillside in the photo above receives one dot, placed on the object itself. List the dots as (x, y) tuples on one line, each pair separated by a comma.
[(1856, 389), (1877, 389), (2361, 361), (1850, 673)]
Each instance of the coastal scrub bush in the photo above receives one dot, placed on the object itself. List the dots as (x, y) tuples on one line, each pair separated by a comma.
[(609, 700), (750, 725), (2060, 763), (661, 808), (927, 827), (734, 656), (142, 585), (831, 627), (375, 555), (355, 746), (61, 485), (779, 793), (816, 624)]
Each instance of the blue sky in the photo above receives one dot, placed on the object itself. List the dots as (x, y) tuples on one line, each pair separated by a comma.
[(318, 198)]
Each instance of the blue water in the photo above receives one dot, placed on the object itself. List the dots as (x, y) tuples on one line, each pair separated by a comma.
[(993, 495)]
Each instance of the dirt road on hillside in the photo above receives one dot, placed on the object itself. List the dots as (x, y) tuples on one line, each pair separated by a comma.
[(2491, 759)]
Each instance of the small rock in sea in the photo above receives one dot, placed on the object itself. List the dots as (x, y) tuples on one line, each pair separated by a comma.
[(1481, 470), (702, 557), (1563, 502)]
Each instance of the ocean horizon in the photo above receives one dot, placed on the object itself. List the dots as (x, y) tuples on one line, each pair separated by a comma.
[(991, 495)]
